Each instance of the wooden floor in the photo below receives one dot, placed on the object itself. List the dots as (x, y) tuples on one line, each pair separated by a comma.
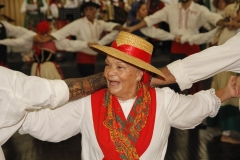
[(195, 144)]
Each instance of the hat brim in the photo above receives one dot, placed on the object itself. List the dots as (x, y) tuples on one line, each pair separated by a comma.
[(87, 4), (127, 58)]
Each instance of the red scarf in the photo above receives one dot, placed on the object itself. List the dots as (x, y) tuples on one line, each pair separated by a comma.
[(118, 137)]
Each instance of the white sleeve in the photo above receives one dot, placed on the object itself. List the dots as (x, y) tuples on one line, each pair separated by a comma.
[(110, 37), (207, 63), (209, 16), (200, 38), (20, 92), (71, 45), (33, 90), (54, 10), (17, 31), (55, 125), (17, 43), (24, 7), (157, 17), (70, 29), (45, 7), (157, 33), (187, 111), (108, 26)]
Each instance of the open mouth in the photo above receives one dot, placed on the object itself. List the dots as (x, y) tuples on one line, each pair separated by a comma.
[(113, 83)]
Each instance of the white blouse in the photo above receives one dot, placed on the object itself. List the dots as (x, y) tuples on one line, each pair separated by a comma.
[(85, 31), (181, 21), (207, 63), (20, 92), (172, 110)]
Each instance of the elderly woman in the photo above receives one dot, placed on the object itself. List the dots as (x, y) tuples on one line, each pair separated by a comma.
[(129, 119)]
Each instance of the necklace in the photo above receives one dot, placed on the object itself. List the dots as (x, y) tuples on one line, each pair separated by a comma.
[(126, 101)]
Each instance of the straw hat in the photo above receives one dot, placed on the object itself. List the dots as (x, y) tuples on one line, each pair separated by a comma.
[(132, 49)]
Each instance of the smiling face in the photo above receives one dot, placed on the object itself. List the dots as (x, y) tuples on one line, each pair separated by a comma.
[(122, 78)]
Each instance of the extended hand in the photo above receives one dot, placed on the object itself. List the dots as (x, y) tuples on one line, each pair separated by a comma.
[(42, 38)]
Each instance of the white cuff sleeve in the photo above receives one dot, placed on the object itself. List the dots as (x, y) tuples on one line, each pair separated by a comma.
[(181, 78), (61, 91)]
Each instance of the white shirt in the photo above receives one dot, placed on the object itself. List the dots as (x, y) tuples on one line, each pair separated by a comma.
[(172, 110), (19, 33), (157, 33), (33, 7), (20, 92), (71, 4), (207, 63), (181, 21), (85, 31), (200, 38)]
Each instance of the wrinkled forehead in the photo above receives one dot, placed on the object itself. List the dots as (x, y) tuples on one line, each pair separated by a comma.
[(112, 59)]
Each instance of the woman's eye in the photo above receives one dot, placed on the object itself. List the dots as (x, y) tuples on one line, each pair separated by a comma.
[(119, 67)]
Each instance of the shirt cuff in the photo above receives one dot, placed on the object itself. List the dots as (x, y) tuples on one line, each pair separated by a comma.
[(61, 91), (147, 20), (55, 36), (181, 78), (217, 105)]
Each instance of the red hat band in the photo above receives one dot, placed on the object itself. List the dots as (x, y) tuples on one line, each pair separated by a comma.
[(133, 51)]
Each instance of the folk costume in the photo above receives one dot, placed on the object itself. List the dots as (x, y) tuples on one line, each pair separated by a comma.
[(184, 22), (44, 64), (8, 30), (207, 63), (229, 117), (20, 93), (137, 128), (188, 23), (34, 11), (85, 31)]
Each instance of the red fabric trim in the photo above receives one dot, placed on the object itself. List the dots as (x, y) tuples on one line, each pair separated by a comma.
[(83, 58), (102, 133), (186, 48), (133, 51)]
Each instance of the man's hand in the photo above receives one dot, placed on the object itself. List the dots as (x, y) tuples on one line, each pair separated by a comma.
[(230, 90), (169, 78), (42, 38), (233, 24), (177, 39)]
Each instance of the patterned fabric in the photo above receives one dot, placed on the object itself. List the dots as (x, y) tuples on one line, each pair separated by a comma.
[(124, 133), (120, 138)]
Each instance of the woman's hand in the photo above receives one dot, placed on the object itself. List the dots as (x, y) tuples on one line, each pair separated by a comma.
[(230, 90)]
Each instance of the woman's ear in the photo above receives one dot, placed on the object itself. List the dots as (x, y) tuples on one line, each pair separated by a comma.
[(140, 75)]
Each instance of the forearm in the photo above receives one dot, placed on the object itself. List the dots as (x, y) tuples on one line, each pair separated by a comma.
[(169, 78), (139, 25), (81, 87), (223, 94)]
